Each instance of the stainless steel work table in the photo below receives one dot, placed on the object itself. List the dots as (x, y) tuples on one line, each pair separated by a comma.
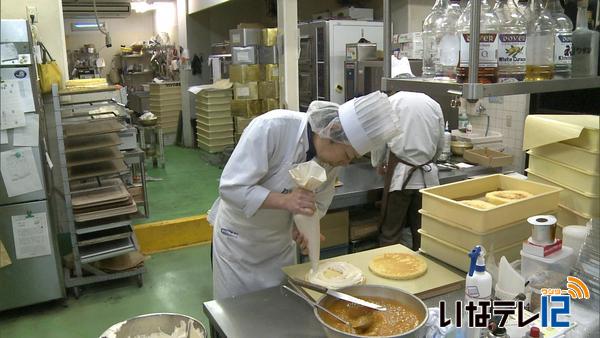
[(362, 184), (271, 313)]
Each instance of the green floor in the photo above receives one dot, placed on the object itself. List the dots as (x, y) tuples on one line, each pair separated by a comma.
[(176, 281), (189, 185)]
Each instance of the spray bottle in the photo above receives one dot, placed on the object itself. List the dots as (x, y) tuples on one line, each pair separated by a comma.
[(478, 287), (446, 151)]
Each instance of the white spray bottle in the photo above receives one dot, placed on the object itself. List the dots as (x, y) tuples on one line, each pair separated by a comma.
[(478, 287)]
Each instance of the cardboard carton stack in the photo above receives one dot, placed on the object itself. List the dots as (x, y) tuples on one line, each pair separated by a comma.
[(254, 73)]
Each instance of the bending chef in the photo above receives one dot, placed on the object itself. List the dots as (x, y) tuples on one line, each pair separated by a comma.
[(253, 235)]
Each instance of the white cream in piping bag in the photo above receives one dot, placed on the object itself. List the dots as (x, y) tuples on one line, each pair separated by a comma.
[(336, 275)]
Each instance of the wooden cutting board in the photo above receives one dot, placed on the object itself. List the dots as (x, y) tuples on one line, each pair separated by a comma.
[(437, 281)]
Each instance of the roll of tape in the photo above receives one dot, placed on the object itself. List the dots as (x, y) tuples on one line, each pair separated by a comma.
[(542, 229)]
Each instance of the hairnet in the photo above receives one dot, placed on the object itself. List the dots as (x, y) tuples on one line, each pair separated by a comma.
[(325, 121)]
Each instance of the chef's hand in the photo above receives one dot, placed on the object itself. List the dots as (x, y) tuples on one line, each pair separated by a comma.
[(301, 241), (382, 169), (300, 201)]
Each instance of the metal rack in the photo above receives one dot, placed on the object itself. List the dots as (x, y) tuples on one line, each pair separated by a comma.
[(100, 236), (472, 90)]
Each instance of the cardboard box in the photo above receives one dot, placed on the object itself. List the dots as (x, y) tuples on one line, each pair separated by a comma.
[(245, 108), (241, 123), (268, 55), (270, 72), (335, 227), (487, 157), (245, 91), (268, 90), (244, 55), (244, 73), (245, 37), (269, 36), (270, 104)]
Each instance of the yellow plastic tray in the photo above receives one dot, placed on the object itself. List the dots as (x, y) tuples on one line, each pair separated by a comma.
[(221, 141), (578, 158), (215, 127), (212, 135), (574, 199), (214, 101), (213, 120), (212, 148), (213, 107), (458, 256), (568, 216), (213, 113), (461, 236), (215, 93), (442, 202), (570, 177)]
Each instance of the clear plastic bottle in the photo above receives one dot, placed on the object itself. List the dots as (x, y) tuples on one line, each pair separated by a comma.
[(585, 44), (488, 44), (431, 37), (449, 46), (523, 6), (562, 40), (540, 44), (512, 42)]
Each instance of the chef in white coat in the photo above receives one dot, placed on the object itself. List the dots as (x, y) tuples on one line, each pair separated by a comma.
[(253, 235), (408, 164)]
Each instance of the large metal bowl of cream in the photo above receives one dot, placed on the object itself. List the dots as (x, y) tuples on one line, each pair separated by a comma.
[(388, 292), (159, 325)]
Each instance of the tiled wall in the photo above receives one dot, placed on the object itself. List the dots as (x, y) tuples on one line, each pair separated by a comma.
[(507, 116)]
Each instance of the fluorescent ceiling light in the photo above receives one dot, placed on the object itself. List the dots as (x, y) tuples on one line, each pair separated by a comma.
[(86, 26)]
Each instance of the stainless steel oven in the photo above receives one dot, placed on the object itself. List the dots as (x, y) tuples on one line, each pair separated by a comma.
[(362, 77)]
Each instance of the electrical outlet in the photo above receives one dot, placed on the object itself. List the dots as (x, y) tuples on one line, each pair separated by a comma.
[(496, 99), (508, 121), (32, 14)]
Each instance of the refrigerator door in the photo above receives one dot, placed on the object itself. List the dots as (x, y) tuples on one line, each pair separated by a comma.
[(29, 280)]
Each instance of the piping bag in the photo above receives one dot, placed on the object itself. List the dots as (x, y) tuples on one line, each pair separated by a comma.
[(310, 176)]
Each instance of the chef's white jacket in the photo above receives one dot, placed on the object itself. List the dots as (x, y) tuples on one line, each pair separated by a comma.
[(419, 139), (250, 244)]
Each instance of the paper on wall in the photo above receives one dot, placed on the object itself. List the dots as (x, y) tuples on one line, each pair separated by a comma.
[(27, 136), (4, 257), (16, 99), (19, 171), (3, 137), (31, 236), (310, 176)]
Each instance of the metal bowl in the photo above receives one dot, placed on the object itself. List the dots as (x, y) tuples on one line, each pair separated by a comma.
[(458, 147), (388, 292), (148, 122), (148, 324)]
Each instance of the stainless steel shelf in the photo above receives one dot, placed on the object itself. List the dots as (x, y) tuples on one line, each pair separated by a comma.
[(474, 91)]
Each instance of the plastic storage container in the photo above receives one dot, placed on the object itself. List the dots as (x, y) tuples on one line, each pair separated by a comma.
[(211, 135), (215, 114), (213, 120), (214, 100), (213, 107), (457, 256), (558, 262), (477, 138), (443, 202), (571, 177), (459, 235), (215, 127), (578, 158), (569, 216), (578, 200)]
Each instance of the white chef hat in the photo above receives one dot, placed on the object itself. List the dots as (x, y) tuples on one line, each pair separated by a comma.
[(367, 121)]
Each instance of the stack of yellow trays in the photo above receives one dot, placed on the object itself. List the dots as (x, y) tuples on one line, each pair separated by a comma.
[(572, 164), (213, 120), (450, 229), (165, 103)]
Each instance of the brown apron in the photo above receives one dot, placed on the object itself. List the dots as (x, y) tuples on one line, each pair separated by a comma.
[(389, 175)]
